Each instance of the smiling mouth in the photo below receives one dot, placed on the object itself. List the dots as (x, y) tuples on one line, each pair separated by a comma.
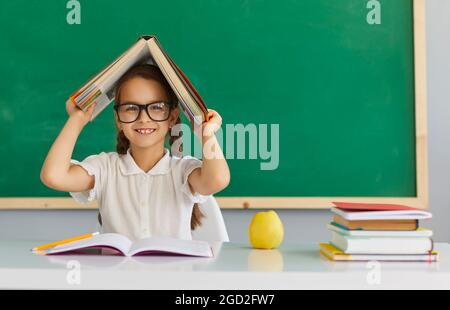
[(145, 131)]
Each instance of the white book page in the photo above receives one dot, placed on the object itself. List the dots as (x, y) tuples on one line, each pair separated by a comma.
[(82, 89), (138, 54), (111, 77), (116, 241), (397, 245), (389, 257), (102, 102), (383, 215), (171, 245), (97, 81), (381, 233)]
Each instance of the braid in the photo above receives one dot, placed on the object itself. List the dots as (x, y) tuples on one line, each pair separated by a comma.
[(197, 214), (122, 143)]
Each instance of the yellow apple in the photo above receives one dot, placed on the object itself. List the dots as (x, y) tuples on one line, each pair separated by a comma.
[(266, 230)]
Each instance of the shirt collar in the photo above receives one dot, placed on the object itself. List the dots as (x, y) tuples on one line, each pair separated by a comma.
[(128, 166)]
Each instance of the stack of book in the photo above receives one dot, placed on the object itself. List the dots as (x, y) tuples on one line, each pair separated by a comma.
[(385, 232), (147, 49)]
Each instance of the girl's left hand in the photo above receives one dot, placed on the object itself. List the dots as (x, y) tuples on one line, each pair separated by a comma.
[(213, 124)]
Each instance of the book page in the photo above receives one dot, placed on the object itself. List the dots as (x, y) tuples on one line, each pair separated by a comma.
[(382, 215), (107, 80), (420, 232), (136, 56), (102, 102), (87, 89), (116, 241), (171, 245), (98, 75)]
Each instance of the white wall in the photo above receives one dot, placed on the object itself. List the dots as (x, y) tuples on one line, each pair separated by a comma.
[(302, 225), (438, 49)]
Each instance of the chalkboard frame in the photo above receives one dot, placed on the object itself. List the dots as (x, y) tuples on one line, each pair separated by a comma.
[(420, 201)]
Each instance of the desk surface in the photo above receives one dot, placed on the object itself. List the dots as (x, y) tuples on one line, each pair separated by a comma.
[(235, 266)]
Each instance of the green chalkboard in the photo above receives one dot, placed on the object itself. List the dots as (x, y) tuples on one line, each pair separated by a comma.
[(340, 89)]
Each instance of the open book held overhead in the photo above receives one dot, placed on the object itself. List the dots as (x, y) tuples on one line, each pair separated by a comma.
[(147, 49)]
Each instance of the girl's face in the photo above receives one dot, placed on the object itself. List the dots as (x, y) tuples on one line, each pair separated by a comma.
[(141, 91)]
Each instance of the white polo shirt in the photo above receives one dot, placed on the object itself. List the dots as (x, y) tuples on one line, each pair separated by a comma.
[(139, 204)]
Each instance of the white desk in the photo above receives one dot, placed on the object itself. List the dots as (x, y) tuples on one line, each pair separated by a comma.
[(236, 266)]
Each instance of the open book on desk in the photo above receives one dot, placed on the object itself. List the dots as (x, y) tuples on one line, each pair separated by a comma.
[(137, 262), (121, 245)]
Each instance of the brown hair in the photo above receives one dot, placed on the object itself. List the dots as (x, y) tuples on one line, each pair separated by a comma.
[(151, 72)]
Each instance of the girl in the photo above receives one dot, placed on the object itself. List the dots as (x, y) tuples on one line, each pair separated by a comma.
[(141, 189)]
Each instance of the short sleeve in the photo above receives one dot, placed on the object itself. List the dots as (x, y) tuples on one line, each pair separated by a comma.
[(93, 165), (189, 164)]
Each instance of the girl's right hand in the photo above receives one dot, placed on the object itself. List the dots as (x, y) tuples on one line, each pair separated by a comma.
[(76, 112)]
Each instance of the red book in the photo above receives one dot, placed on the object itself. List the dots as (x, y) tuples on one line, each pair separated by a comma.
[(371, 206)]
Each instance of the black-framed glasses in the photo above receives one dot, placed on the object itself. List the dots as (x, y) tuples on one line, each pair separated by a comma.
[(129, 112)]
